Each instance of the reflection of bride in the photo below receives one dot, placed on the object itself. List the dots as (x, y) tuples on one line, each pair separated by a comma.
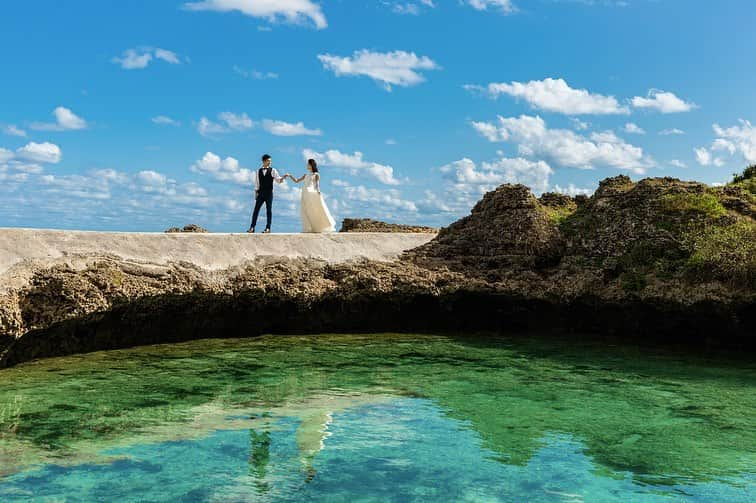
[(315, 415), (311, 435), (314, 212)]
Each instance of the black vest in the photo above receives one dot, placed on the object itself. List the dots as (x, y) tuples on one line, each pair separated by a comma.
[(266, 181)]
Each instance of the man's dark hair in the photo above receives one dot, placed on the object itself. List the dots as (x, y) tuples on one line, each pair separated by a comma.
[(265, 157)]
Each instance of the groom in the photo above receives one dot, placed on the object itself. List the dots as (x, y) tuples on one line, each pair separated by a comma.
[(264, 192)]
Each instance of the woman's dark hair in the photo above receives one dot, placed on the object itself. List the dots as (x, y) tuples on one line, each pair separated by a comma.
[(313, 164)]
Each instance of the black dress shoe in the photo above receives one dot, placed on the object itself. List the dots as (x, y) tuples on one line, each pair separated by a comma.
[(251, 230), (266, 231)]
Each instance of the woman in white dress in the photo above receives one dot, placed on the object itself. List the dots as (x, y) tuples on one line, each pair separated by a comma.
[(314, 212)]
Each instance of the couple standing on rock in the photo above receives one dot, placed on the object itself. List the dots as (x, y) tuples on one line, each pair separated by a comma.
[(313, 211)]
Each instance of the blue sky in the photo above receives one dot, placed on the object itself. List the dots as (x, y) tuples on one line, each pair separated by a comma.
[(141, 115)]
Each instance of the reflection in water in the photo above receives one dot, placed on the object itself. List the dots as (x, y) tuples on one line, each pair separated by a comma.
[(259, 459), (408, 418)]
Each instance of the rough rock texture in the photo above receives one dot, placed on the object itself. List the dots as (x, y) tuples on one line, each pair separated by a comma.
[(369, 225), (660, 259), (188, 228), (507, 229)]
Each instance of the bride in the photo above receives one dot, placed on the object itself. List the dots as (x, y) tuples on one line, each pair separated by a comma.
[(314, 212)]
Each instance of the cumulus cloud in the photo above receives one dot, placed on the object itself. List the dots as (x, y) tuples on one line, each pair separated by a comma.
[(354, 163), (289, 11), (564, 147), (662, 101), (376, 198), (140, 58), (633, 128), (281, 128), (48, 153), (465, 182), (5, 155), (703, 156), (65, 120), (738, 140), (228, 122), (224, 170), (572, 190), (152, 181), (397, 68), (468, 177), (555, 95)]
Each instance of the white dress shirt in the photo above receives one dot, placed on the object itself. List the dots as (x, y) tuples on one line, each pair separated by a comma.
[(275, 174)]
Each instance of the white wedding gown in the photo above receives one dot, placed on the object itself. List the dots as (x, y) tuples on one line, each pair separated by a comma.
[(314, 212)]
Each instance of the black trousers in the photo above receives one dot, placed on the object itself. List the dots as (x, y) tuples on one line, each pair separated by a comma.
[(266, 198)]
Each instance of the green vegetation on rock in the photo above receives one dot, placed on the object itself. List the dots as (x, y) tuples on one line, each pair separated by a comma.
[(705, 203)]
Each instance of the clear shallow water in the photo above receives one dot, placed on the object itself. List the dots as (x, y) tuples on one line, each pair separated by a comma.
[(377, 418)]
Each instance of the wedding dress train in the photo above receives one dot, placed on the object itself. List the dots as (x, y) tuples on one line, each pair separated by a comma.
[(314, 212)]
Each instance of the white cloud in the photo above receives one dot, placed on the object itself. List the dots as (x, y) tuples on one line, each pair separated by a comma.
[(354, 163), (255, 74), (140, 58), (729, 142), (398, 68), (40, 152), (412, 8), (206, 127), (380, 198), (555, 95), (5, 155), (165, 121), (465, 182), (225, 170), (505, 6), (676, 163), (565, 147), (290, 11), (742, 138), (65, 120), (633, 128), (578, 124), (281, 128), (705, 157), (12, 130), (167, 56), (230, 122), (572, 190), (75, 186), (236, 122), (662, 101), (670, 132), (467, 177)]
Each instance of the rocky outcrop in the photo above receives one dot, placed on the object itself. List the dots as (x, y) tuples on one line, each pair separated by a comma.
[(660, 260), (192, 228), (369, 225), (507, 229)]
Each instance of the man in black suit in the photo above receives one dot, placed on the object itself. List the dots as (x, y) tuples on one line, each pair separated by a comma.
[(266, 175)]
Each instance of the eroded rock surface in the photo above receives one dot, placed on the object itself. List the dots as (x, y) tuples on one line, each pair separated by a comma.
[(369, 225), (187, 228)]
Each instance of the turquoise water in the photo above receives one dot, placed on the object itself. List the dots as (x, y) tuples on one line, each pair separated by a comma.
[(378, 418)]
